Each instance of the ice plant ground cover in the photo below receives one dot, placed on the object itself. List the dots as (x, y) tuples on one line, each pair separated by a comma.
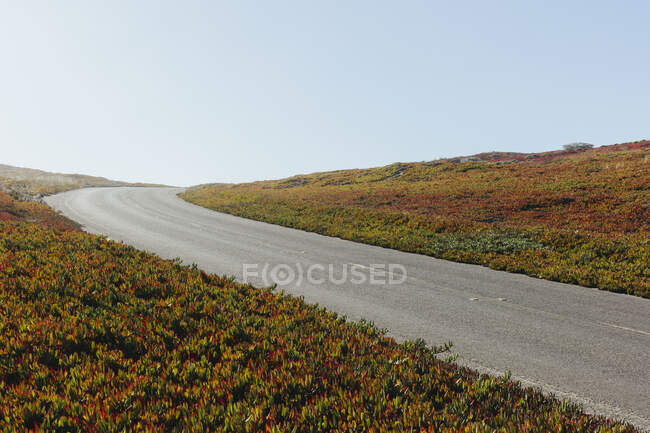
[(580, 217), (96, 336)]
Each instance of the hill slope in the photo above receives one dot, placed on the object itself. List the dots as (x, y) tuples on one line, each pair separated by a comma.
[(30, 184), (579, 217)]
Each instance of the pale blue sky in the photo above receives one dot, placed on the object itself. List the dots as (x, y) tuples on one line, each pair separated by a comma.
[(189, 92)]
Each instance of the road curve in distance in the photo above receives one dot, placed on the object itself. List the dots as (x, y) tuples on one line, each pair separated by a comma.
[(587, 345)]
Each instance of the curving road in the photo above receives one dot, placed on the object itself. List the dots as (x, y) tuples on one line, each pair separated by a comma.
[(584, 344)]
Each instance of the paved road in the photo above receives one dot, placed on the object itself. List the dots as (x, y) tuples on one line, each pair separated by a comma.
[(584, 344)]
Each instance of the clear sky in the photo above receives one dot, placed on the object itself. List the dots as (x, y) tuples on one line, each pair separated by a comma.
[(189, 92)]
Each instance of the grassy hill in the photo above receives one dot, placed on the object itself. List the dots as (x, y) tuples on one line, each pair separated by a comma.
[(580, 216), (30, 184), (96, 336)]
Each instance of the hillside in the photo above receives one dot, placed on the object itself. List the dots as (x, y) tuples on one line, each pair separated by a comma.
[(96, 336), (579, 216), (30, 184)]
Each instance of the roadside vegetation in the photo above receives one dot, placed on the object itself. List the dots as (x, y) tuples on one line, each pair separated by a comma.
[(32, 213), (96, 336), (579, 216), (28, 184)]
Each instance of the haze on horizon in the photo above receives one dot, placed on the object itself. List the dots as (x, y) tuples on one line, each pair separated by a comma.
[(192, 92)]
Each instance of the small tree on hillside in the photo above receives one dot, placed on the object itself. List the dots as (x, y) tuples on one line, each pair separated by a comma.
[(577, 146)]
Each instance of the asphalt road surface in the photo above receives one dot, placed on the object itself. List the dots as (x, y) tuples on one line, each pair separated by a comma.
[(582, 344)]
